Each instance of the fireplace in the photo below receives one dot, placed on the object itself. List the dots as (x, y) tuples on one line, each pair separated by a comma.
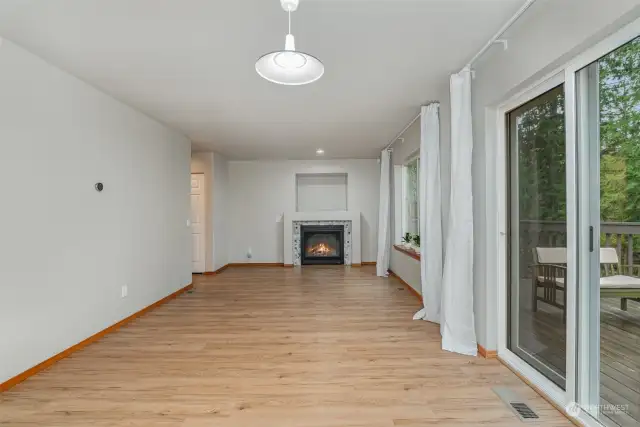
[(322, 244)]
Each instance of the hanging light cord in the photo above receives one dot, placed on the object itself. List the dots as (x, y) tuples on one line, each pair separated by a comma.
[(289, 21)]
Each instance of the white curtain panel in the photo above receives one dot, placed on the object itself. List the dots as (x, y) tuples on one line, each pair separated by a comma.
[(457, 319), (384, 216), (430, 214)]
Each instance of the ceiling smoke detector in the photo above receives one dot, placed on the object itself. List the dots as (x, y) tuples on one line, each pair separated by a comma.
[(289, 66)]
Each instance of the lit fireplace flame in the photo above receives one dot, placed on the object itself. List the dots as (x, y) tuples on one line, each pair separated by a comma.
[(321, 249)]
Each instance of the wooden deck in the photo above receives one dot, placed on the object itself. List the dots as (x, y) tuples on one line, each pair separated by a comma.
[(275, 347), (619, 353)]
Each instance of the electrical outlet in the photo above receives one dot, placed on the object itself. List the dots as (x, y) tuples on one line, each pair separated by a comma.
[(125, 291)]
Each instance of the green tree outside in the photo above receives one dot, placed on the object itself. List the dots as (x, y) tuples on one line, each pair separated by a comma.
[(540, 128)]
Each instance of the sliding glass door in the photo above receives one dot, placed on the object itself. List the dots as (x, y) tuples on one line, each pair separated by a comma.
[(537, 228), (569, 256), (608, 141)]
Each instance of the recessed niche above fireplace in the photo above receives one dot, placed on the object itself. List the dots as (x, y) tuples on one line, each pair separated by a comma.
[(322, 244), (321, 192)]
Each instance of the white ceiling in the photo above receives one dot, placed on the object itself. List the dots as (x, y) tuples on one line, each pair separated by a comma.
[(190, 64)]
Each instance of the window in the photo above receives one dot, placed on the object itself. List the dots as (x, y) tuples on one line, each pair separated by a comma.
[(411, 205)]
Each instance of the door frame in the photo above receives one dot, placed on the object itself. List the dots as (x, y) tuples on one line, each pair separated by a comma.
[(502, 179), (577, 224), (535, 96), (582, 177), (204, 221)]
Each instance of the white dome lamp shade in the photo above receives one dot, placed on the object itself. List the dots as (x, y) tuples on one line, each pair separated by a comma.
[(289, 66)]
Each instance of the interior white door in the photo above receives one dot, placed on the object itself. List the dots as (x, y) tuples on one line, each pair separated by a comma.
[(197, 222)]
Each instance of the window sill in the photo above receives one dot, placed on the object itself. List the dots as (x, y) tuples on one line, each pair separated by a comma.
[(409, 252)]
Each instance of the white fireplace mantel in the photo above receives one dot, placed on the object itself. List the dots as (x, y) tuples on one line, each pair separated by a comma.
[(354, 217)]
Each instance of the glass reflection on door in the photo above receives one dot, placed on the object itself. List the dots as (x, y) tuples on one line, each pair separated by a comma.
[(538, 234), (608, 107)]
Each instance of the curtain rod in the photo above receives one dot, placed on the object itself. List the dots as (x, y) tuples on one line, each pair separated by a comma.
[(481, 52), (393, 141), (501, 31)]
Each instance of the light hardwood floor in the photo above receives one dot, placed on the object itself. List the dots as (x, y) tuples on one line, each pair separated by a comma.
[(274, 347)]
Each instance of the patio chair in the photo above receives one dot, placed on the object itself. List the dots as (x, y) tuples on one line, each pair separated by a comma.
[(550, 271), (617, 280)]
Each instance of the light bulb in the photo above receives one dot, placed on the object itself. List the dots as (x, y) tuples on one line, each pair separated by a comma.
[(290, 60)]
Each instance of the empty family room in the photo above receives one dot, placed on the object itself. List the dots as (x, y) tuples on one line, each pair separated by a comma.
[(319, 213)]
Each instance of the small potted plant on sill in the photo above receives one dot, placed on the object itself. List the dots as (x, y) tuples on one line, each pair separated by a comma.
[(416, 243), (407, 241)]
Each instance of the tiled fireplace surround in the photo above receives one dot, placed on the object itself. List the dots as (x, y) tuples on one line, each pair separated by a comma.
[(297, 250), (294, 221)]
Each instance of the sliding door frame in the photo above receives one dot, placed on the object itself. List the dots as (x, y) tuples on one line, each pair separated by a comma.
[(542, 93), (585, 364), (579, 218), (588, 294), (506, 355)]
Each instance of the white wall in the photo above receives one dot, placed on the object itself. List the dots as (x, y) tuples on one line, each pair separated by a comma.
[(65, 249), (220, 211), (407, 268), (547, 35), (261, 191), (323, 192)]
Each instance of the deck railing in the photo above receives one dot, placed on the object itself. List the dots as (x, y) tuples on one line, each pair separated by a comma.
[(624, 236)]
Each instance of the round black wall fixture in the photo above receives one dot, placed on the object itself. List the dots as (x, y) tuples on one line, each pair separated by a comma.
[(99, 187)]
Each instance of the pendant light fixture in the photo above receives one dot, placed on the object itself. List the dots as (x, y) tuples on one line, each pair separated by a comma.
[(289, 66)]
